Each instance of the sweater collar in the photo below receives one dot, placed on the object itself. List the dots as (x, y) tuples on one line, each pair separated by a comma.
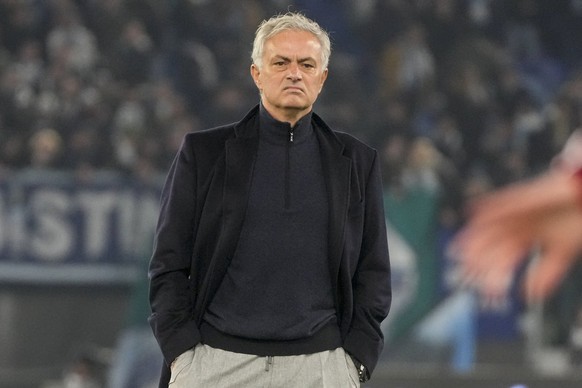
[(278, 132)]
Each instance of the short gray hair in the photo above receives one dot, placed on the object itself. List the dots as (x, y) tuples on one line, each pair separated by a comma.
[(289, 21)]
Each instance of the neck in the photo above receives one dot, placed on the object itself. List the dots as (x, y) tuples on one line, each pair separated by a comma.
[(287, 115)]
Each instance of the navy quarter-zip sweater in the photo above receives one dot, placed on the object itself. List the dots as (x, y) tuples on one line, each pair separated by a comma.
[(276, 297)]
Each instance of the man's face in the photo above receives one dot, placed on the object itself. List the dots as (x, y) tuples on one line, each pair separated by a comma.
[(291, 75)]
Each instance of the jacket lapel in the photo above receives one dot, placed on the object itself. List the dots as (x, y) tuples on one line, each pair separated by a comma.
[(337, 171), (240, 153), (240, 159), (240, 156)]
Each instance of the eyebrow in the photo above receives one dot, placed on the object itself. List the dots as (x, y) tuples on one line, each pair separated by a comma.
[(301, 60)]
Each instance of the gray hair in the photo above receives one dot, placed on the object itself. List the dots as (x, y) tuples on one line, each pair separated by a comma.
[(289, 21)]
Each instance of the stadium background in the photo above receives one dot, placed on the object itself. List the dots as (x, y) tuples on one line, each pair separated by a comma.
[(459, 96)]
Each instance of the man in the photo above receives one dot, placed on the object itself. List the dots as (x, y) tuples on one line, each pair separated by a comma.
[(270, 265)]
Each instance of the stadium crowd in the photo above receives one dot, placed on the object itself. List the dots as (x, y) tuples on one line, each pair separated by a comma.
[(459, 96), (484, 88), (491, 86)]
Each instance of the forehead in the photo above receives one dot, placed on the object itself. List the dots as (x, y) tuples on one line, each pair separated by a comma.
[(293, 43)]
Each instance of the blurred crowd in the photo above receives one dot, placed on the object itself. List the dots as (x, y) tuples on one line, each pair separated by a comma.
[(459, 96), (449, 90)]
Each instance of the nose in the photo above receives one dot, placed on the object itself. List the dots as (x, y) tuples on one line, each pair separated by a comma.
[(293, 72)]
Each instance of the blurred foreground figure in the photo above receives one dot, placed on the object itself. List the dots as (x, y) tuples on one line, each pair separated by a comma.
[(542, 216), (271, 265)]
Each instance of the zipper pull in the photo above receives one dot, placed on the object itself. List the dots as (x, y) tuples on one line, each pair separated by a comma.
[(268, 363), (291, 135)]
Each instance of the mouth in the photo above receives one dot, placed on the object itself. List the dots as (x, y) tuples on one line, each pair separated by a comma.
[(293, 89)]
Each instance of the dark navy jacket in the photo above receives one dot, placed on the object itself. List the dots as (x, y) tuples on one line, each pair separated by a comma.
[(202, 211)]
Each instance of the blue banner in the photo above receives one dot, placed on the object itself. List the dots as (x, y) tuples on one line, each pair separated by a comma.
[(54, 227)]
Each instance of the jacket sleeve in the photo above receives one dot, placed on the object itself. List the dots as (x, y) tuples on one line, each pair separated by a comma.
[(171, 291), (372, 292)]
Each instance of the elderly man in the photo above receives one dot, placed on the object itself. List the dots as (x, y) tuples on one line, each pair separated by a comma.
[(270, 265)]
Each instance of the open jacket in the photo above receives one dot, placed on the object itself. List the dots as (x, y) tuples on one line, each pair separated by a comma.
[(202, 211)]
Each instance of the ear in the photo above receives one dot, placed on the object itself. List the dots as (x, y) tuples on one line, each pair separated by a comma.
[(323, 78), (255, 73)]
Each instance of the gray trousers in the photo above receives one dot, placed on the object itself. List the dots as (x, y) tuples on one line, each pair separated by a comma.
[(205, 366)]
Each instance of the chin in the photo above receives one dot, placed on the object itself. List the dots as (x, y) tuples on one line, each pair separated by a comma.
[(299, 105), (298, 108)]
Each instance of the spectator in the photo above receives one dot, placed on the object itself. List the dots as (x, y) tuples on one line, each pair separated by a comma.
[(133, 55), (70, 40), (46, 149)]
